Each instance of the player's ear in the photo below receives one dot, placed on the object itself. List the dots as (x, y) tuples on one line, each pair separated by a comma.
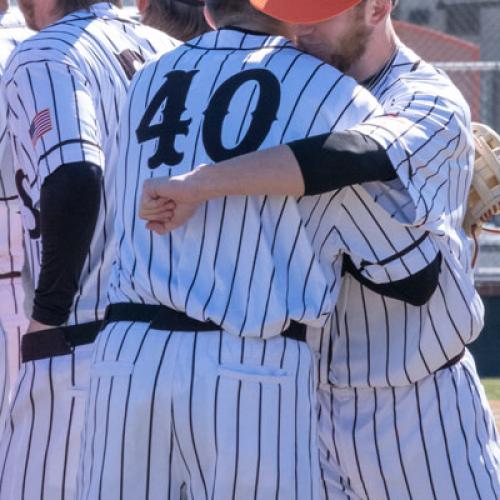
[(142, 5), (208, 18), (377, 11)]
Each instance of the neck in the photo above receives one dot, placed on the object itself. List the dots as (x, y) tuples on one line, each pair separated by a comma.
[(379, 50)]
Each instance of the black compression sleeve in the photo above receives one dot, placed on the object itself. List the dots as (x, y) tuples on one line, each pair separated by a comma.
[(333, 161), (69, 206)]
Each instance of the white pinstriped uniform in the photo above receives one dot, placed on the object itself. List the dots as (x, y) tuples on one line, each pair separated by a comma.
[(225, 414), (13, 320), (76, 70), (392, 425)]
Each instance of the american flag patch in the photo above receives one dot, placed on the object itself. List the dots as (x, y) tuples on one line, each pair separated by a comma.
[(40, 125)]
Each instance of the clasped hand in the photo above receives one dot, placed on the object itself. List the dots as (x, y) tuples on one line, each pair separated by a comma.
[(169, 202)]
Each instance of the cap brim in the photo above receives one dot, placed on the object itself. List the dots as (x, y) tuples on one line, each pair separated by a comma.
[(301, 12)]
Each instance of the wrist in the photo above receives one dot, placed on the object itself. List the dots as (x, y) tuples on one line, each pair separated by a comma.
[(204, 183)]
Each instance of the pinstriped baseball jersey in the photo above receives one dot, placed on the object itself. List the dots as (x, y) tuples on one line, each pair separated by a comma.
[(425, 130), (245, 263), (13, 321), (12, 32), (83, 63)]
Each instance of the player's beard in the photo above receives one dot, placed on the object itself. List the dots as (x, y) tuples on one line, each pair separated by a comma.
[(344, 49), (350, 49)]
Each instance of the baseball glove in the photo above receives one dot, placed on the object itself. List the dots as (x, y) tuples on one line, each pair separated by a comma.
[(484, 196)]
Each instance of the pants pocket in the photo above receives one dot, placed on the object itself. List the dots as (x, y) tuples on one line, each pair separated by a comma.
[(254, 373)]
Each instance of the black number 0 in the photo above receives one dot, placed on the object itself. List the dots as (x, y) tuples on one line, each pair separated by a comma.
[(174, 93)]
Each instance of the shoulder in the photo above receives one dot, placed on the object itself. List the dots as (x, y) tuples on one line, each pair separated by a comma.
[(423, 84), (159, 41)]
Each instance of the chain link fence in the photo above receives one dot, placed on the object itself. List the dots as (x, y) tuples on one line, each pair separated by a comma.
[(463, 38)]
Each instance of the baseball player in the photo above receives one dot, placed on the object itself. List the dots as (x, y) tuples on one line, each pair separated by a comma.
[(64, 87), (203, 385), (13, 320), (402, 411)]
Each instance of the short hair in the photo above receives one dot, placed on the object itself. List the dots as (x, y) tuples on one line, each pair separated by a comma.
[(68, 6), (181, 19), (224, 12)]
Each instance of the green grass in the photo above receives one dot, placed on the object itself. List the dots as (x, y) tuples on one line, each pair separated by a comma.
[(492, 388)]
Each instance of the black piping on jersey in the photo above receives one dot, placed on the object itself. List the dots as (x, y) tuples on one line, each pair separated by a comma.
[(245, 31), (66, 143), (194, 44)]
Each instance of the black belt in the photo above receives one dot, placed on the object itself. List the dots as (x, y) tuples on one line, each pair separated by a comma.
[(9, 276), (164, 318), (58, 341)]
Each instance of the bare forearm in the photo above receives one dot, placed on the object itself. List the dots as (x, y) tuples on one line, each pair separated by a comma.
[(272, 171)]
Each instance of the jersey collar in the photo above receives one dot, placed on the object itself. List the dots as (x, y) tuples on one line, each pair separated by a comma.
[(402, 60), (233, 38)]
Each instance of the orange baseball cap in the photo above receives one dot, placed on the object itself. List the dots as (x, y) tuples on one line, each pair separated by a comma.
[(303, 11)]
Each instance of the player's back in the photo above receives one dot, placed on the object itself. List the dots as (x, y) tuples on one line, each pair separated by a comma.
[(84, 64), (243, 263)]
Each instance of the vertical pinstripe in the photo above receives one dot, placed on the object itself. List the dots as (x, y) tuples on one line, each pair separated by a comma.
[(12, 314), (176, 433), (232, 427), (72, 69), (82, 99), (212, 261), (458, 458), (415, 428)]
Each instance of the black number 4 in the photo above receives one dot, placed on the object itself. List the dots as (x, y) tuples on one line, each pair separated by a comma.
[(174, 94)]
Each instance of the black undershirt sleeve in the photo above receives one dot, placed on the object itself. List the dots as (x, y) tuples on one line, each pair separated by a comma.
[(69, 206), (336, 160), (333, 161)]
